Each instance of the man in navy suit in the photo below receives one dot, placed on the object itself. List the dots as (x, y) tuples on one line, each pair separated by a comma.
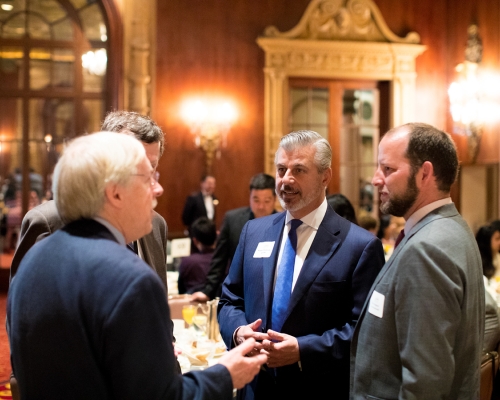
[(86, 317), (335, 265)]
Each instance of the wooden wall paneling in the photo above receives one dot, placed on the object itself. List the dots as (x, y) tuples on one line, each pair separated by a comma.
[(208, 47), (458, 19), (427, 17), (488, 14)]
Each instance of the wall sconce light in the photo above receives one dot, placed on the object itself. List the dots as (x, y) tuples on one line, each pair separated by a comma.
[(474, 95), (209, 121)]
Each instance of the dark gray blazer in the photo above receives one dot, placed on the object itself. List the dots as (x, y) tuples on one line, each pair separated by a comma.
[(44, 220), (426, 343)]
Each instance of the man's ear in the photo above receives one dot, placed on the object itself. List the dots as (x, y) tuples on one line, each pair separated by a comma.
[(113, 194), (327, 176), (427, 171)]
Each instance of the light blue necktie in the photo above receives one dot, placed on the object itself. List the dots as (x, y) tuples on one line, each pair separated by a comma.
[(283, 287)]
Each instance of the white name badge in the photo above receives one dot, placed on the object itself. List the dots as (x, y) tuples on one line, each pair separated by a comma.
[(376, 306), (264, 250)]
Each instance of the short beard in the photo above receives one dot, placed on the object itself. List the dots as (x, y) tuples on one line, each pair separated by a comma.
[(399, 205), (303, 202)]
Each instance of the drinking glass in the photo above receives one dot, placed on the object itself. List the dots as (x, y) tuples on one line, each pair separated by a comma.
[(188, 312), (200, 324)]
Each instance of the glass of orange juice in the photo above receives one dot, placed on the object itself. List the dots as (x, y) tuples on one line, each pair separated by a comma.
[(188, 312)]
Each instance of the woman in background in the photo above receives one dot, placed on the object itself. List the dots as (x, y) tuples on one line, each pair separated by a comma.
[(342, 206), (388, 231), (488, 241)]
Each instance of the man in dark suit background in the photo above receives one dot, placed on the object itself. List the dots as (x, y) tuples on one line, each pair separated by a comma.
[(84, 310), (202, 203), (262, 201), (44, 219), (335, 265)]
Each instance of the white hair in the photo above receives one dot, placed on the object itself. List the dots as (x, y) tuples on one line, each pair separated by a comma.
[(88, 164)]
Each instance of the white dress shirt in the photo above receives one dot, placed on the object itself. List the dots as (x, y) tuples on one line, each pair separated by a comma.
[(422, 212), (209, 205), (305, 236)]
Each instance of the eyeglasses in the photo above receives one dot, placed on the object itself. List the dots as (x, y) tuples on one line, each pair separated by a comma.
[(154, 177)]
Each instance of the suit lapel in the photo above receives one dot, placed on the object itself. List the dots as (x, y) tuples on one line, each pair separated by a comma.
[(274, 232), (448, 210)]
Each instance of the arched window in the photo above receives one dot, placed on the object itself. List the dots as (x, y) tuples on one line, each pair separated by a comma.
[(53, 87)]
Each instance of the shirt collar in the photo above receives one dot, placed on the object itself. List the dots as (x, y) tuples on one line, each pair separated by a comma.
[(314, 218), (115, 232), (422, 212)]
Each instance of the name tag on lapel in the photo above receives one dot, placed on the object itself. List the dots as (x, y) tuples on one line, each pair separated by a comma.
[(263, 250), (376, 306)]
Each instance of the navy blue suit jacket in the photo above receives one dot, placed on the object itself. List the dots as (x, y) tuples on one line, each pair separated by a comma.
[(336, 276), (88, 319)]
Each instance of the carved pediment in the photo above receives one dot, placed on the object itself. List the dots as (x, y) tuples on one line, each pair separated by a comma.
[(336, 39), (346, 20)]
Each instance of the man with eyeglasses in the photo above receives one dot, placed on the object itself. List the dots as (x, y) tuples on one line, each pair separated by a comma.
[(44, 219), (86, 318)]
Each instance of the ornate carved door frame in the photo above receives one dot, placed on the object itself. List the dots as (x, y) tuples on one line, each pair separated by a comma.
[(336, 39)]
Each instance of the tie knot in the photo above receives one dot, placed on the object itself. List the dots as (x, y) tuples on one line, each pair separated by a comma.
[(294, 224)]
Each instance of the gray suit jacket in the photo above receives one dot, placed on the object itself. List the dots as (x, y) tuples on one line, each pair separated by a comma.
[(44, 220), (427, 341)]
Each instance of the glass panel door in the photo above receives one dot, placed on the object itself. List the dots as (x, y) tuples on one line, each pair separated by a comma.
[(347, 114), (359, 136)]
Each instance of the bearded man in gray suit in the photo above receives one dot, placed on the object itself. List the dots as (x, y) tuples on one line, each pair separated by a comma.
[(420, 333), (44, 219)]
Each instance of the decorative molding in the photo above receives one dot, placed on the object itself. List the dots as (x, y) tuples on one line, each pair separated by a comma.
[(342, 20), (336, 39)]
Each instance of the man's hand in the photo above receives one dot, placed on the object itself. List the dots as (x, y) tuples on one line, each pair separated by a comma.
[(242, 368), (251, 331), (282, 349), (199, 296)]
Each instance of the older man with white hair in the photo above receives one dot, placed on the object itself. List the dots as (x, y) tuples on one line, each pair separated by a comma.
[(86, 318)]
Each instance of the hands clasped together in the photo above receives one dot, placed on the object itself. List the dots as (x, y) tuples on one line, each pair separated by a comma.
[(281, 349), (256, 348)]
